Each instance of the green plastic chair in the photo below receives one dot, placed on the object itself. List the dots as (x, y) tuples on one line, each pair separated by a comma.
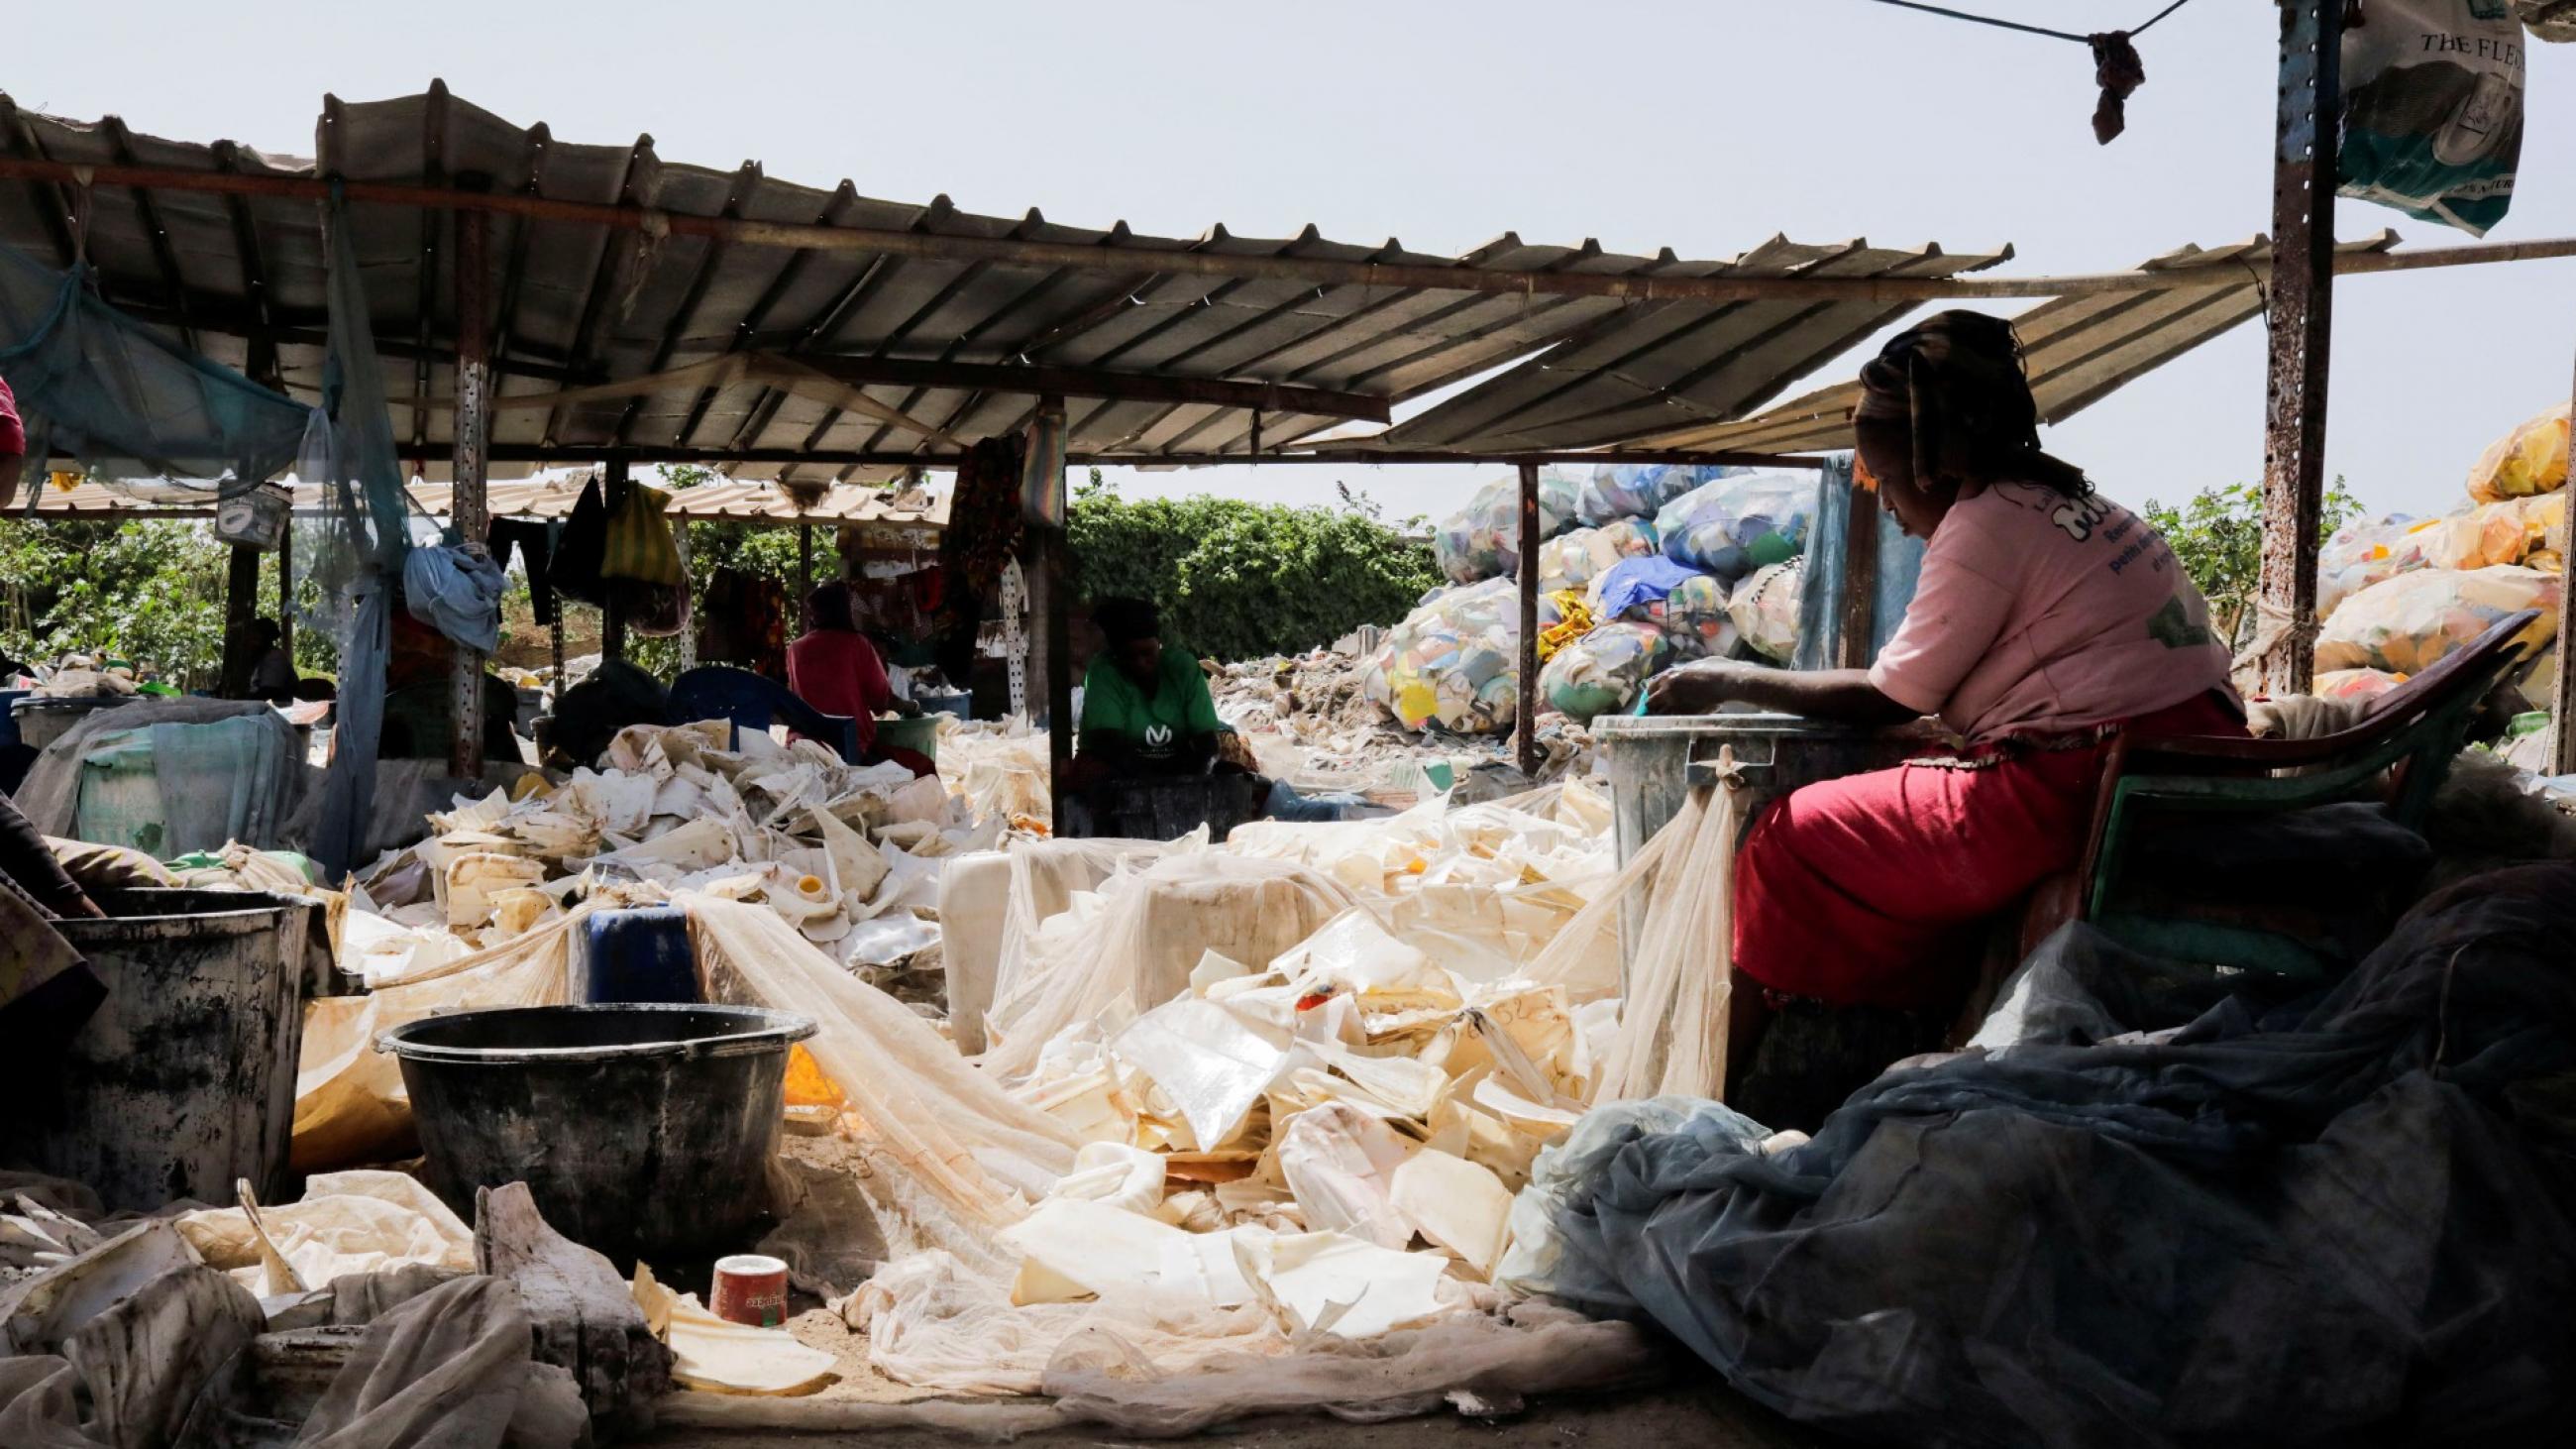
[(2398, 754)]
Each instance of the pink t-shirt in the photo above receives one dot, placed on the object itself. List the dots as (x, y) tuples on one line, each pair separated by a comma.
[(2040, 614)]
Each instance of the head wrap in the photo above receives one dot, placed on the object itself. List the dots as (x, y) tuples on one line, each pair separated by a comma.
[(13, 433), (1127, 620), (830, 607), (1957, 381)]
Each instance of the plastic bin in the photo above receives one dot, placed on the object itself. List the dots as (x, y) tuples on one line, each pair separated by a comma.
[(919, 733), (183, 1081), (640, 1130), (43, 721)]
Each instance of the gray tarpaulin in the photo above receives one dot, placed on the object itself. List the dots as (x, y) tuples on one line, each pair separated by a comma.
[(2343, 1221)]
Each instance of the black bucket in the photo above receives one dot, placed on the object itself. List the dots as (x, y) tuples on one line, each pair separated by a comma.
[(183, 1081), (641, 1130)]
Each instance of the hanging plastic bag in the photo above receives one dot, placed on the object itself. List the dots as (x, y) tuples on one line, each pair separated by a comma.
[(1640, 490), (639, 545), (1483, 540), (2406, 624), (1765, 610), (1736, 525), (2530, 459), (1576, 559), (2432, 109), (1601, 672)]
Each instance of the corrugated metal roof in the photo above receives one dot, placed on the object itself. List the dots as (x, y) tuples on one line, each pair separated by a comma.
[(2078, 349), (548, 497), (580, 304)]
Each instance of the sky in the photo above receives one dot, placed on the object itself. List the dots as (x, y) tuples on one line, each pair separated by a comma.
[(1706, 127)]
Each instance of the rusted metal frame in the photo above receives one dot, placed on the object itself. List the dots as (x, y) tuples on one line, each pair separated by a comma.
[(1053, 594), (1856, 628), (241, 605), (953, 247), (828, 321), (603, 277), (1096, 383), (965, 338), (263, 365), (1209, 298), (26, 145), (470, 432), (1127, 294), (433, 165), (709, 263), (1525, 717), (2074, 403), (2563, 698), (832, 417), (2309, 122), (121, 144), (746, 331), (1334, 457), (1463, 354), (616, 478)]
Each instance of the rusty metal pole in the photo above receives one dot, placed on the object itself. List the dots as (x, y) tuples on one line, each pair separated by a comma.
[(2302, 312), (472, 426), (241, 605), (2562, 705), (1526, 709), (1055, 625)]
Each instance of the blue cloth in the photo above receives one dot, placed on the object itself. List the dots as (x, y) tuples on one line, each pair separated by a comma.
[(640, 955), (457, 592), (1287, 802), (1635, 581)]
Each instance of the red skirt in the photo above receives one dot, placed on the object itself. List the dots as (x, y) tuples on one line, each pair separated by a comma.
[(1869, 890)]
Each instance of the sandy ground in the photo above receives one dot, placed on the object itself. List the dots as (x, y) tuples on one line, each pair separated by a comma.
[(1707, 1416)]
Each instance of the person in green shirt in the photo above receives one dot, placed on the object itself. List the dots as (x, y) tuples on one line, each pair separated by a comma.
[(1145, 709)]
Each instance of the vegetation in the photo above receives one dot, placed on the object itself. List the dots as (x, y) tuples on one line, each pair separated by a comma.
[(760, 552), (1242, 580), (2218, 536), (152, 593)]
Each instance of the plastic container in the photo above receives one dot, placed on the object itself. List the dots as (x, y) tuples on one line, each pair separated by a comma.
[(956, 702), (750, 1288), (921, 733), (640, 1130), (43, 721), (183, 1080)]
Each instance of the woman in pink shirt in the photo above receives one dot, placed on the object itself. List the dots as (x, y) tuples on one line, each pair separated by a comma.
[(2047, 618)]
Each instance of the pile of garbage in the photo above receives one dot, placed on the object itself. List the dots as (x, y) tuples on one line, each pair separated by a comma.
[(1644, 567), (2396, 593)]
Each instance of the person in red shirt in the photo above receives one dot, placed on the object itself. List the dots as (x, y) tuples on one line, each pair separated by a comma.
[(834, 668), (13, 445)]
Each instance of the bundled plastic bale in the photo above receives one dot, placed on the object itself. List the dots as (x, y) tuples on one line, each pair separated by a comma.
[(1736, 525), (2362, 553), (1601, 672), (1457, 663), (2537, 681), (2504, 532), (2355, 683), (1765, 610), (1697, 620), (2405, 624), (1483, 540), (2532, 459), (1640, 490), (1576, 559)]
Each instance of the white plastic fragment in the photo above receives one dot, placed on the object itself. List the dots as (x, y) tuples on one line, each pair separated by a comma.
[(1456, 1204), (1212, 1062), (1333, 1283)]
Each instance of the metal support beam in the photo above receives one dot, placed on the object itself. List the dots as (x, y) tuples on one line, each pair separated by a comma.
[(612, 614), (467, 513), (1051, 604), (2563, 699), (241, 605), (1858, 628), (1096, 382), (2302, 312), (1525, 717), (1338, 458)]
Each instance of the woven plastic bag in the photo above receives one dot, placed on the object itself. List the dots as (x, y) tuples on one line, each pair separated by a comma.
[(2530, 459), (1640, 490), (1736, 525), (2406, 624), (1574, 560), (1456, 662), (1601, 672), (1697, 621), (1765, 610), (1483, 540), (2432, 108)]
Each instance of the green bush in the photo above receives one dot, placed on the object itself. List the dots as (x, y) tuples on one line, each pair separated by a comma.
[(1239, 580), (152, 592), (2218, 537)]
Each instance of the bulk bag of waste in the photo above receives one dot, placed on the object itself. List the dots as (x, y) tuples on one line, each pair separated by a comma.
[(2405, 624), (1483, 540), (1697, 620), (1456, 664), (1601, 672), (1640, 490), (2432, 109), (1765, 610), (2530, 459), (1577, 558), (1632, 586), (1736, 525), (2355, 683), (2361, 553), (2505, 532)]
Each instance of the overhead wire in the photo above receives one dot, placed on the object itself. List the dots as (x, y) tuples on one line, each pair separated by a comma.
[(1999, 23)]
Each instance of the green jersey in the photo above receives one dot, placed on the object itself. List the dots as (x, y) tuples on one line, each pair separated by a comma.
[(1155, 728)]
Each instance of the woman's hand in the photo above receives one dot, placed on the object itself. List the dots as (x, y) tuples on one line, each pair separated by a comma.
[(1698, 687)]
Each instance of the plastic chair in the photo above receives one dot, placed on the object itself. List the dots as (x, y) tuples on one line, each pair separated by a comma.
[(752, 701), (2398, 754)]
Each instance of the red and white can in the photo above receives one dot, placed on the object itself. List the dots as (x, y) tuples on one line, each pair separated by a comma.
[(751, 1288)]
